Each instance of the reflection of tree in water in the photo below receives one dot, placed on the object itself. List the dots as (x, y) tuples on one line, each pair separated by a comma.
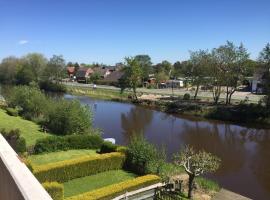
[(260, 163), (227, 145), (135, 121)]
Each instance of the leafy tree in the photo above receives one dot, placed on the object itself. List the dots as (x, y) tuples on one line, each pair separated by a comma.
[(196, 164), (177, 69), (143, 157), (31, 101), (25, 75), (68, 117), (77, 66), (160, 77), (133, 75), (8, 70), (250, 67), (264, 59), (55, 69), (144, 61), (95, 77), (36, 63), (230, 67), (199, 61)]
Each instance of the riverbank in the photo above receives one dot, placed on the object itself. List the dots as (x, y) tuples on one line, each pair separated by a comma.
[(248, 114)]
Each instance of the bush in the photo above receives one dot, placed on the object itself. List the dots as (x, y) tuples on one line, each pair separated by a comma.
[(52, 87), (55, 189), (62, 143), (107, 147), (70, 169), (69, 117), (112, 191), (186, 96), (143, 157), (12, 111), (15, 140), (207, 185), (31, 100)]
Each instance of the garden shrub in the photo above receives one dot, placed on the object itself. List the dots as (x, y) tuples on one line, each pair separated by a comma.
[(31, 100), (62, 143), (55, 190), (112, 191), (206, 184), (186, 96), (15, 140), (84, 166), (12, 111), (52, 87), (69, 117), (107, 147), (122, 149), (143, 157)]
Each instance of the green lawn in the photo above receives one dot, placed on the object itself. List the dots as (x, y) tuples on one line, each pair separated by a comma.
[(88, 183), (42, 159), (29, 130)]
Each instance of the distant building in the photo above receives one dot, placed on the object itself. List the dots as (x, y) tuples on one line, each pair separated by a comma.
[(83, 74), (71, 72), (102, 71), (258, 80), (113, 78)]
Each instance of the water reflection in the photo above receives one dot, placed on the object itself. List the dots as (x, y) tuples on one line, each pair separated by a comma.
[(135, 121)]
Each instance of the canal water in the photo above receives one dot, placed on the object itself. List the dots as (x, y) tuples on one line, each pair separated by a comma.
[(245, 152)]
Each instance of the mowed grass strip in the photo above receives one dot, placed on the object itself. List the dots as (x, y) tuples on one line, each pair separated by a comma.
[(88, 183), (29, 130), (52, 157)]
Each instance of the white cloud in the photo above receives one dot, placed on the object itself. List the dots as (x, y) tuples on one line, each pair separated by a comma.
[(22, 42)]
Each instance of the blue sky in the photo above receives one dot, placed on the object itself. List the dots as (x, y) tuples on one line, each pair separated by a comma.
[(108, 30)]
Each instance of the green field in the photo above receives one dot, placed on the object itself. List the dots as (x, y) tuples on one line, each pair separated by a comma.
[(29, 130), (47, 158), (88, 183)]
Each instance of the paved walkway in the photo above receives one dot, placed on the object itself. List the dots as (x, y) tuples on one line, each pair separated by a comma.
[(228, 195)]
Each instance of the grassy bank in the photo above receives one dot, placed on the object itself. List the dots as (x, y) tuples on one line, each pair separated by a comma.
[(89, 183), (47, 158), (29, 130)]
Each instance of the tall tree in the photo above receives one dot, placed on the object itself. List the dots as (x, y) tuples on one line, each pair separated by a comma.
[(145, 63), (196, 164), (55, 68), (199, 61), (264, 59), (8, 69), (133, 75)]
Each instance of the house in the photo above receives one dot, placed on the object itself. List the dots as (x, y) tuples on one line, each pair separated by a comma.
[(113, 78), (71, 71), (83, 74), (103, 72)]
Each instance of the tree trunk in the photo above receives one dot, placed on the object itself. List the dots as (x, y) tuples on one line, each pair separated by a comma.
[(227, 95), (196, 91), (190, 185), (230, 96)]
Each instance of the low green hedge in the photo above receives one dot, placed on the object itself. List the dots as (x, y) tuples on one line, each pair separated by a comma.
[(55, 189), (84, 166), (112, 191), (62, 143), (108, 147)]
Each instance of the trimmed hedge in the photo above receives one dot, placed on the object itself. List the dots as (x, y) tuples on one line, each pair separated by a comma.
[(112, 191), (55, 189), (62, 143), (108, 147), (75, 168)]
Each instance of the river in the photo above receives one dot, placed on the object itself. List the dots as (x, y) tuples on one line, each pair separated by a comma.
[(245, 152)]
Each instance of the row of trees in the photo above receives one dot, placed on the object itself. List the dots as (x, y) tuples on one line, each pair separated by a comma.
[(224, 67), (33, 67)]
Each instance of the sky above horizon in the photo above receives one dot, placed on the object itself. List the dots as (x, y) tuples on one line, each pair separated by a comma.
[(106, 31)]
